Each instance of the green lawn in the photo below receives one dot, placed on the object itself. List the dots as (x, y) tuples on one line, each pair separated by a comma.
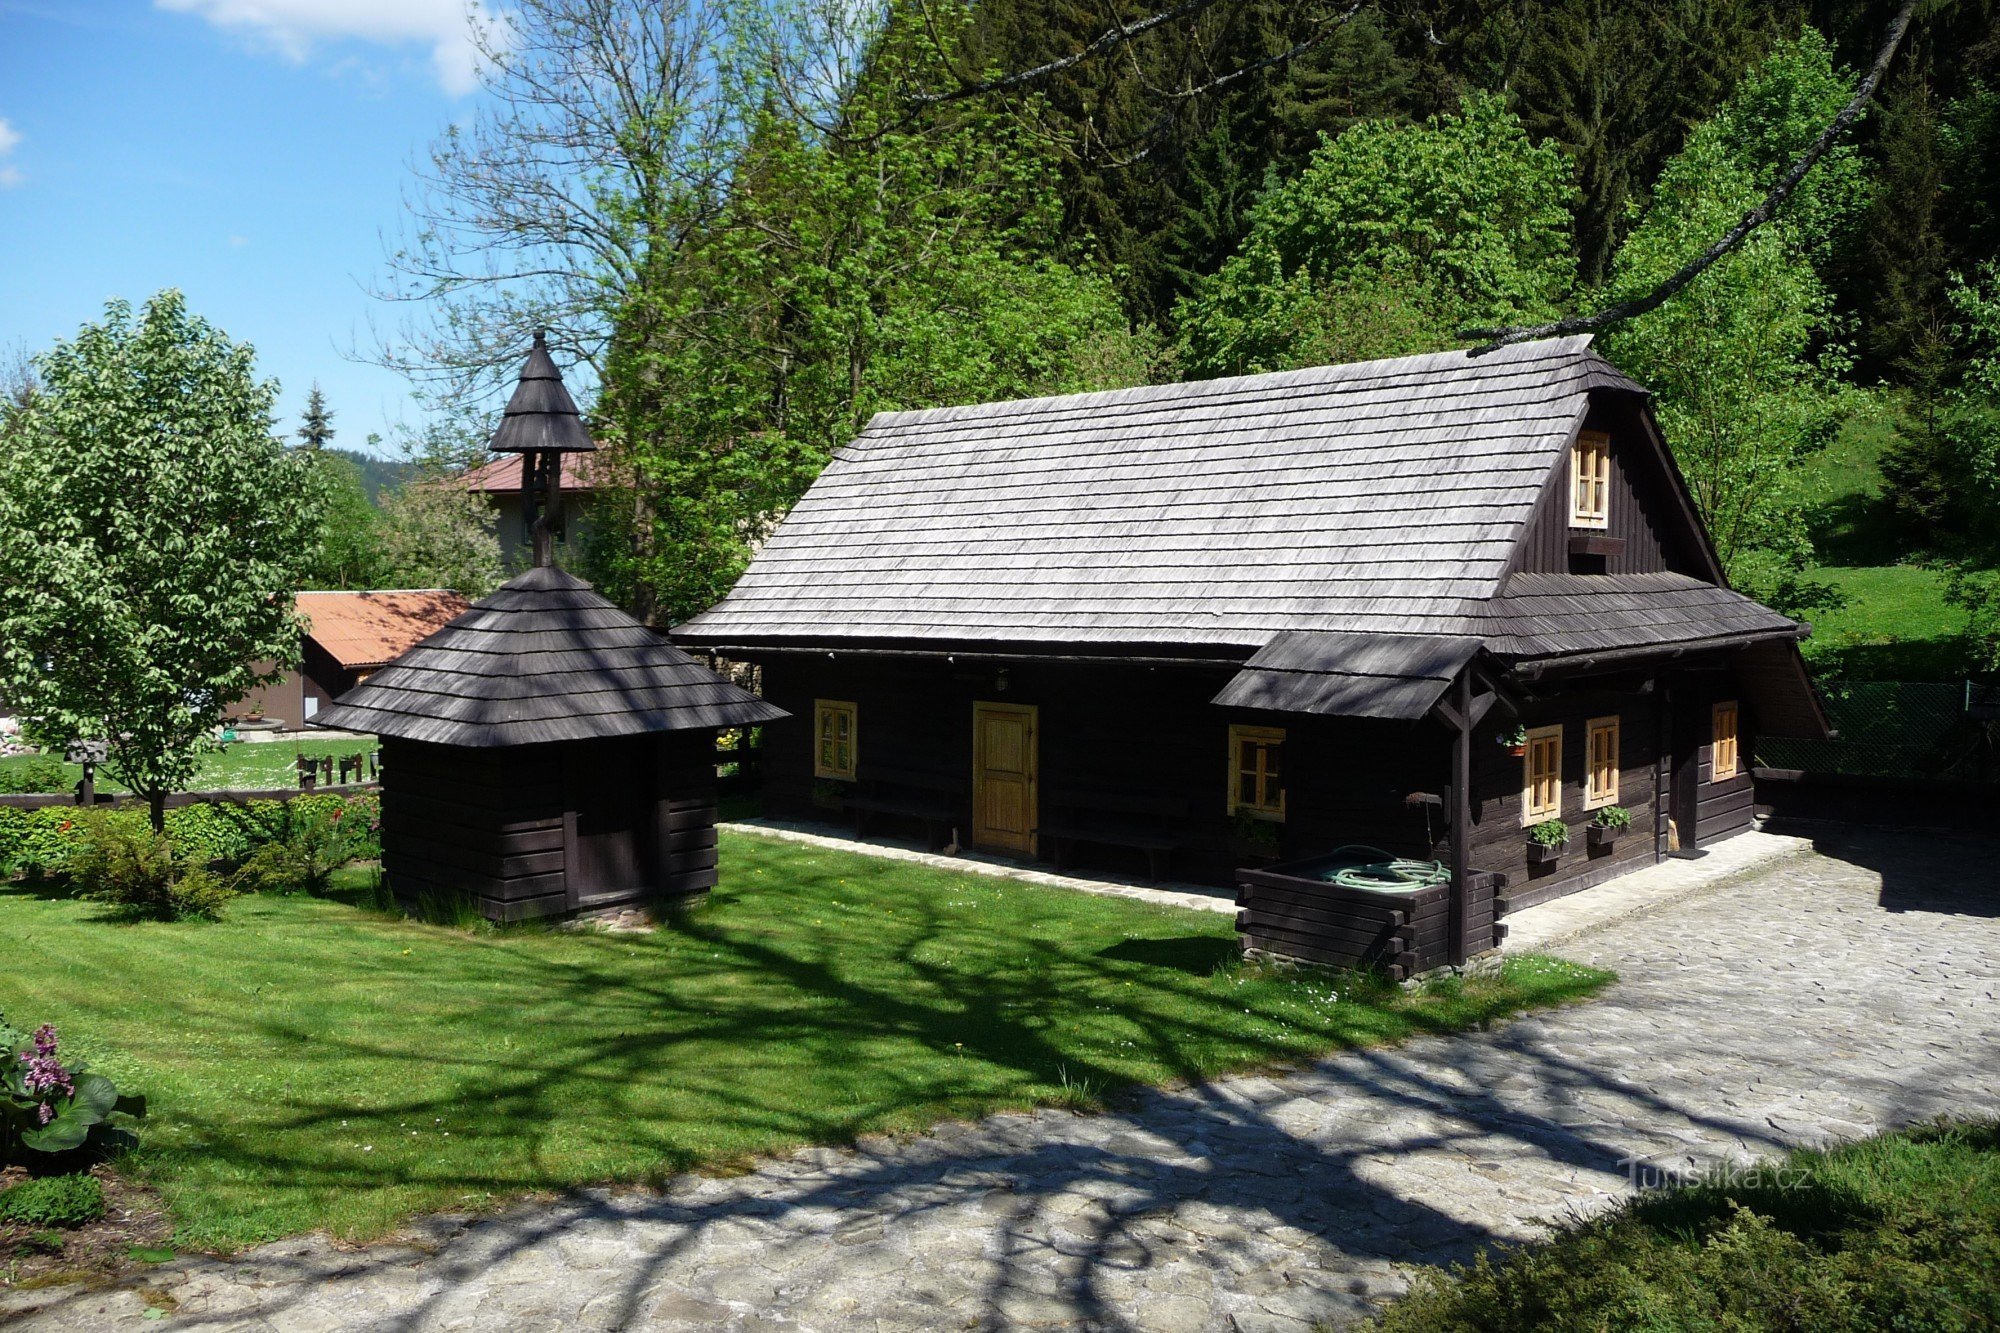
[(244, 766), (1901, 1231), (1896, 625), (315, 1064)]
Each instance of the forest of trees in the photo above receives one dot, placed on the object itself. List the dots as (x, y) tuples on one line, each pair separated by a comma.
[(751, 225)]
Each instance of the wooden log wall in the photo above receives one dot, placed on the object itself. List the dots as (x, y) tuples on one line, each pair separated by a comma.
[(1641, 509), (486, 825), (684, 839), (1114, 728), (1500, 839), (1722, 808)]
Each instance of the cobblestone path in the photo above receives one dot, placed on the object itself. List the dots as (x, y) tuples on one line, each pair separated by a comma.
[(1831, 994)]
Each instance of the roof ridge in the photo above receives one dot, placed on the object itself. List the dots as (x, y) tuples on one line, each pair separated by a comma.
[(1553, 349)]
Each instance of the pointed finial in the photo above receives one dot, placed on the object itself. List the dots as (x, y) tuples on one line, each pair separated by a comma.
[(542, 339)]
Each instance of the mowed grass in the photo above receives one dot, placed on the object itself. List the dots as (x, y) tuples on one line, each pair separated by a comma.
[(314, 1064), (243, 766), (1895, 625)]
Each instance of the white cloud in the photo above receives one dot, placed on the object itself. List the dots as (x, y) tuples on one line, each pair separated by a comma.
[(293, 27), (10, 176)]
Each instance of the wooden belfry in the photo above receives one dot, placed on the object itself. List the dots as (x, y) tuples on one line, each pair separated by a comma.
[(545, 753)]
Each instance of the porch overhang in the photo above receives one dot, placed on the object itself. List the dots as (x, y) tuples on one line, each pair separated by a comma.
[(1332, 673)]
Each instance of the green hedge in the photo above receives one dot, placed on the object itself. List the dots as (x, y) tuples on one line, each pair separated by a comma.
[(219, 831)]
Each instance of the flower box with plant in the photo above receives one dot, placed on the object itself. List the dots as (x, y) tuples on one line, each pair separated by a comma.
[(47, 1107), (1608, 823), (1546, 841), (1515, 740), (830, 793), (1254, 837)]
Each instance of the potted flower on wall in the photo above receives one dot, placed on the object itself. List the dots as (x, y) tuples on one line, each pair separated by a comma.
[(1546, 841), (1254, 839), (1516, 741), (1608, 823)]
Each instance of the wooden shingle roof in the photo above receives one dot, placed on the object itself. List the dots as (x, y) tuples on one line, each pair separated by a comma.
[(1374, 497), (1551, 615), (542, 659), (541, 414), (1342, 674)]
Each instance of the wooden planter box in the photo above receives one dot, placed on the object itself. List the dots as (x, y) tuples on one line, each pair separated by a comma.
[(1541, 854), (1601, 836), (1288, 912)]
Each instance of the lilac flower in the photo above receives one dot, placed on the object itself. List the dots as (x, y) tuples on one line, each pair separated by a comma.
[(45, 1073)]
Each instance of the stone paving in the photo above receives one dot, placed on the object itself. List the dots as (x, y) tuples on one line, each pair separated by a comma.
[(1823, 996)]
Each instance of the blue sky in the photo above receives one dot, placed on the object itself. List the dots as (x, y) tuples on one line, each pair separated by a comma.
[(253, 153)]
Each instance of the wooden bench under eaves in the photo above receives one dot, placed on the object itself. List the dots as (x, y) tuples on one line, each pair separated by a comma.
[(932, 798), (1155, 825)]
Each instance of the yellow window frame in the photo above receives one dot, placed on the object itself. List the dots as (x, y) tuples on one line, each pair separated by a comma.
[(1256, 753), (1725, 757), (1541, 775), (835, 739), (1603, 757), (1590, 480)]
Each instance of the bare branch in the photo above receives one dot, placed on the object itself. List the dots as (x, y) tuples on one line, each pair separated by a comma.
[(1492, 339)]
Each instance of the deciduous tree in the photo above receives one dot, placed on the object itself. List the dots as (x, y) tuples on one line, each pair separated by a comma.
[(1392, 239), (156, 536)]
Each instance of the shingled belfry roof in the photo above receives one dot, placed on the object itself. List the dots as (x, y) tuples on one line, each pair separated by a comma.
[(541, 414), (542, 659), (1380, 497)]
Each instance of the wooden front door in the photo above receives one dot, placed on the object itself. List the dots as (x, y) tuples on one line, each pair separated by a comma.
[(608, 791), (1003, 777)]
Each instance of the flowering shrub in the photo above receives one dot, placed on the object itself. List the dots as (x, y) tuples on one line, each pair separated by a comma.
[(47, 1106), (314, 838)]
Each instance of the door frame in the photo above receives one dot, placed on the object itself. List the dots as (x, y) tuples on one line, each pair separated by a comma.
[(1032, 712), (647, 846)]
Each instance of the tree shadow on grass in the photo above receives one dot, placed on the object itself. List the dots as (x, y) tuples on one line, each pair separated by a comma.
[(1197, 955), (1380, 1155)]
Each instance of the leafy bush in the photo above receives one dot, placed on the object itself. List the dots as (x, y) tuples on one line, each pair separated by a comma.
[(314, 837), (1549, 833), (46, 839), (47, 1106), (41, 773), (138, 870), (54, 1201), (1613, 816), (1900, 1231)]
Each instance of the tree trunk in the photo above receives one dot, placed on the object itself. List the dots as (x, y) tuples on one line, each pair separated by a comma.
[(156, 804)]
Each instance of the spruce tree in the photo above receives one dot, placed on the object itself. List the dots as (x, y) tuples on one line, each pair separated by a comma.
[(316, 426)]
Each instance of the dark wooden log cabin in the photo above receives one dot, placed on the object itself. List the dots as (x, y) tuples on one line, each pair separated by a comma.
[(544, 753), (1187, 628)]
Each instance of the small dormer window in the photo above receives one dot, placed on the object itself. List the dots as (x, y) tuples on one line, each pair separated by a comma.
[(1590, 480)]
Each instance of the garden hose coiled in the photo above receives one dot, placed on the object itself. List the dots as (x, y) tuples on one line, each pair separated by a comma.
[(1388, 872)]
